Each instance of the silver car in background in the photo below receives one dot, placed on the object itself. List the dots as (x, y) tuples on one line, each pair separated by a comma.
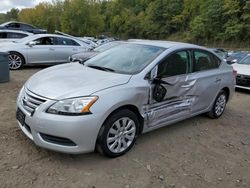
[(128, 90), (12, 35), (42, 49)]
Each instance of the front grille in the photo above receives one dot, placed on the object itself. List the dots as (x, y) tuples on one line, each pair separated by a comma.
[(57, 140), (243, 80), (31, 101)]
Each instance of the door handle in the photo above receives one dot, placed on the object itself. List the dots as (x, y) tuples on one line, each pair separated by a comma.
[(218, 80), (75, 49), (189, 84), (51, 49)]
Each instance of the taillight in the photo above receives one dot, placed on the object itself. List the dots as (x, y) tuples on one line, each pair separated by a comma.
[(234, 73)]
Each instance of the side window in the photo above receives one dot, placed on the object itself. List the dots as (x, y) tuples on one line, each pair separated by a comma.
[(45, 41), (175, 64), (67, 42), (3, 35), (205, 61), (24, 26), (15, 35), (13, 25)]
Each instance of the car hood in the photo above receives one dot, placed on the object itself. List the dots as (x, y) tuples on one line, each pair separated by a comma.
[(241, 68), (72, 80)]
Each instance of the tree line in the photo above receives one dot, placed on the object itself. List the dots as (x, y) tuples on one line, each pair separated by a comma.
[(186, 20)]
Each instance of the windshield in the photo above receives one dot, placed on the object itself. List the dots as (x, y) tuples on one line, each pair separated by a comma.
[(105, 47), (245, 61), (126, 58)]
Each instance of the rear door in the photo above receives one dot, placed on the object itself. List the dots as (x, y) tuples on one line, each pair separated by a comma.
[(65, 47), (177, 102), (43, 51), (206, 72)]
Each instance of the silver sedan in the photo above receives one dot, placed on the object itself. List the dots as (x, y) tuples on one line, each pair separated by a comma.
[(133, 88), (42, 49)]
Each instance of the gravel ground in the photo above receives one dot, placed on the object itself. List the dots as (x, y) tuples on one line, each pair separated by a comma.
[(195, 153)]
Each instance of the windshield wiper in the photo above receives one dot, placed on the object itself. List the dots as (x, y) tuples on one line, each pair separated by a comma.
[(101, 68)]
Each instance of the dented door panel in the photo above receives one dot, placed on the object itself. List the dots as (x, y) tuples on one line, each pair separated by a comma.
[(177, 103)]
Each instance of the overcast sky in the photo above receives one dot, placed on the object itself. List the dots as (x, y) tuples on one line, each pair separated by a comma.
[(9, 4)]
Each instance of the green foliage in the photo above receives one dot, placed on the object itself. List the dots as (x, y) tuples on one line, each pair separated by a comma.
[(189, 20)]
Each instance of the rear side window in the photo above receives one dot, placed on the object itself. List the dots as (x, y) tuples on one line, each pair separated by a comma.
[(16, 35), (13, 25), (3, 35), (24, 26), (205, 61), (66, 42)]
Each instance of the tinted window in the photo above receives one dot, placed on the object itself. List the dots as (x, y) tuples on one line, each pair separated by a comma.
[(16, 35), (13, 25), (126, 58), (66, 42), (24, 26), (205, 61), (3, 35), (45, 41), (175, 64)]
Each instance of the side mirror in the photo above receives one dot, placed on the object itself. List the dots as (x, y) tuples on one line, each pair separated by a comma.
[(152, 74), (31, 43)]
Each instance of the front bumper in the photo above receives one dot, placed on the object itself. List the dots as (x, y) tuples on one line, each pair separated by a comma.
[(80, 131)]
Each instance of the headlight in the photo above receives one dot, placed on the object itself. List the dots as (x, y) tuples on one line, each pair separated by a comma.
[(76, 106)]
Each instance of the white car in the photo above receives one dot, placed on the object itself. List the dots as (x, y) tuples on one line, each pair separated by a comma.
[(42, 49), (12, 35), (243, 73)]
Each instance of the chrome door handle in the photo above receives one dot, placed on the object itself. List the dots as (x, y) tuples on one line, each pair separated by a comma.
[(218, 80)]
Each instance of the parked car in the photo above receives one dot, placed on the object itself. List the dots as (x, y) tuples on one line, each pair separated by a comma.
[(87, 41), (42, 49), (243, 73), (133, 88), (84, 56), (11, 35), (236, 56), (22, 27)]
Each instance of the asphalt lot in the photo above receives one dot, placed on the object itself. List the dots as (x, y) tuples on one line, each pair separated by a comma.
[(195, 153)]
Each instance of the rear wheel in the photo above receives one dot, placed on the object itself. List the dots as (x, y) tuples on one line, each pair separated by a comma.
[(118, 133), (219, 105), (16, 61)]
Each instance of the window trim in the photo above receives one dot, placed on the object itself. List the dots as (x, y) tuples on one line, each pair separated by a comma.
[(204, 51), (189, 51)]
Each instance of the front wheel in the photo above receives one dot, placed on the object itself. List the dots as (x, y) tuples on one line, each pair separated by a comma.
[(16, 61), (219, 105), (118, 134)]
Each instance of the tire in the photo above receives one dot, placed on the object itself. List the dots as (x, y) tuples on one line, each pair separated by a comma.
[(219, 105), (16, 61), (118, 134)]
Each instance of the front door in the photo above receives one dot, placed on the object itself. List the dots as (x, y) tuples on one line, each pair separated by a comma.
[(170, 93), (43, 51)]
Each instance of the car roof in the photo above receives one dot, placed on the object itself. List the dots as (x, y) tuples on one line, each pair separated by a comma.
[(15, 31), (163, 44), (5, 23)]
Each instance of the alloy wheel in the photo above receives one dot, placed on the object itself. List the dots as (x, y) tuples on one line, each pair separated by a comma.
[(220, 104), (121, 135), (15, 61)]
